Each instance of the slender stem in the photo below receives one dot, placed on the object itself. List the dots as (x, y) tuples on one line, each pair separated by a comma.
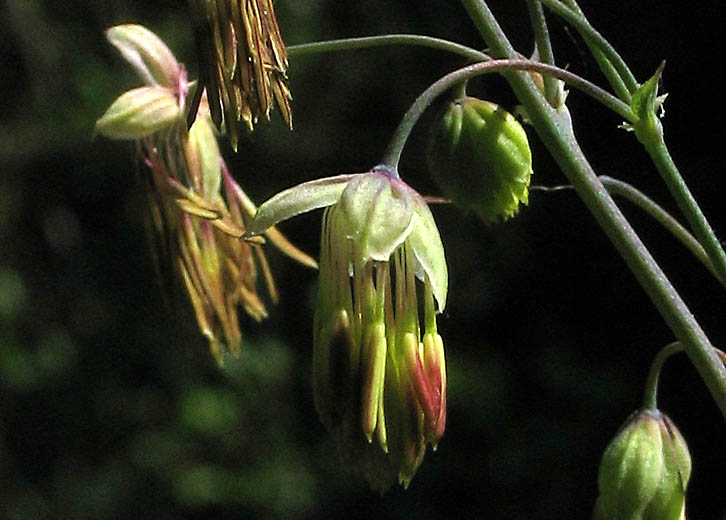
[(645, 203), (558, 138), (393, 153), (623, 77), (572, 4), (612, 75), (650, 396), (348, 44), (544, 50), (625, 190), (652, 139)]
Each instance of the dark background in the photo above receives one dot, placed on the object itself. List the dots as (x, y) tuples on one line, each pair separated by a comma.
[(110, 405)]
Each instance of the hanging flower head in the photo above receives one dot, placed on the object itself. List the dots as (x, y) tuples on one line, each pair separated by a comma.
[(378, 360), (243, 62), (198, 211)]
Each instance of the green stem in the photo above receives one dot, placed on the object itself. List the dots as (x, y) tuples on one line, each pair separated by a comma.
[(557, 136), (650, 396), (393, 153), (625, 190), (652, 138), (641, 200), (572, 4), (348, 44), (612, 65), (544, 50)]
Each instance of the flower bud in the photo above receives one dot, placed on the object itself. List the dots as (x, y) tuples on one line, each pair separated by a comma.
[(644, 471), (480, 158), (139, 112)]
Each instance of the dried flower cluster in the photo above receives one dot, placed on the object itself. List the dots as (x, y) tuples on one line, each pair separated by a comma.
[(243, 62), (199, 212)]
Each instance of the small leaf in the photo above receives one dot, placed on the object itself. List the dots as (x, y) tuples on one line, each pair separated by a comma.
[(145, 51), (298, 199), (139, 112)]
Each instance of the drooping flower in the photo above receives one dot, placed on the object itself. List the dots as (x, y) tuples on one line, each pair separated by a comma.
[(243, 62), (480, 158), (644, 471), (378, 361), (198, 211)]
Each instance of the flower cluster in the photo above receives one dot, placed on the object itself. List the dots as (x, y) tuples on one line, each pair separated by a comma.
[(198, 211), (378, 361), (243, 62)]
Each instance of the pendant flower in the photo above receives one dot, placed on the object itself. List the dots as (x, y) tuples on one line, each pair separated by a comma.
[(198, 211), (379, 372)]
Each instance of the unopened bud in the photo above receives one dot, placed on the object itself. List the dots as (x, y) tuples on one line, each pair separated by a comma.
[(644, 471), (480, 158), (139, 112)]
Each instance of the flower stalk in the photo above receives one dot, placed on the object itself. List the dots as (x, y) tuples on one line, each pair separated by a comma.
[(557, 135)]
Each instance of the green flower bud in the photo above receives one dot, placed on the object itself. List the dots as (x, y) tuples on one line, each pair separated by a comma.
[(644, 471), (145, 51), (140, 112), (480, 158)]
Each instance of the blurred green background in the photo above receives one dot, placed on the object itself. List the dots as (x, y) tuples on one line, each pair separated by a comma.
[(110, 405)]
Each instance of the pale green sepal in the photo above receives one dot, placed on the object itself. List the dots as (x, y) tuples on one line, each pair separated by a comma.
[(428, 249), (298, 199), (145, 51), (202, 138), (378, 214), (139, 112)]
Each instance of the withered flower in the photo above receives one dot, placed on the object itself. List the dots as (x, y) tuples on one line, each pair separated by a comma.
[(198, 211), (243, 62)]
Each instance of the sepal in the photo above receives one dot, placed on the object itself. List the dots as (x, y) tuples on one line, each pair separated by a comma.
[(145, 51), (139, 112)]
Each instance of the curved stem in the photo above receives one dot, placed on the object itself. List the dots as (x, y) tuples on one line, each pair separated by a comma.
[(393, 153), (652, 139), (627, 191), (623, 77), (645, 203), (558, 138), (349, 44), (650, 395)]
